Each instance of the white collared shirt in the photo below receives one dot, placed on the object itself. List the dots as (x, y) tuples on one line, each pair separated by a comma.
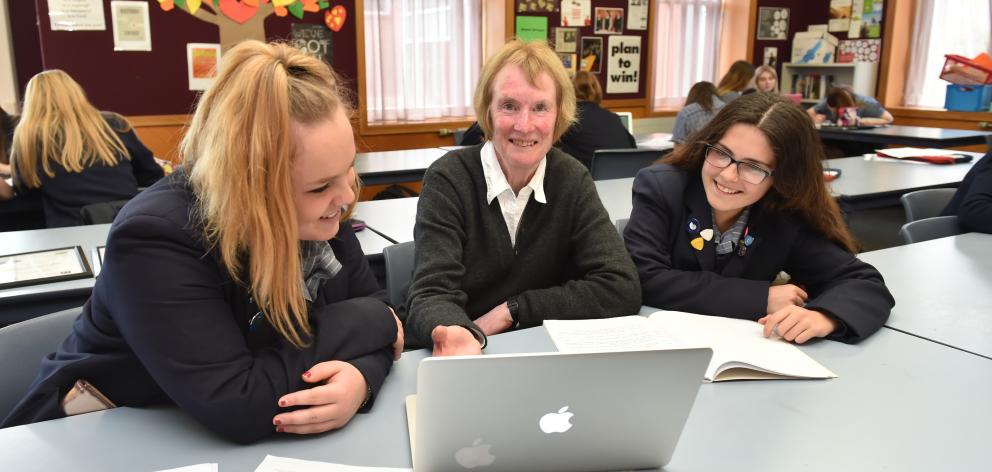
[(497, 187)]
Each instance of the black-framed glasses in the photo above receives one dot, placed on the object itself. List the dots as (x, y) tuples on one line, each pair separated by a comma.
[(722, 158)]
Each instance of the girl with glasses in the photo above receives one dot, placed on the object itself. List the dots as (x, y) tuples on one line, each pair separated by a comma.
[(714, 225)]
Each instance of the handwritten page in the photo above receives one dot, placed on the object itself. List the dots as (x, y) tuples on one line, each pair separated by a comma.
[(625, 333), (285, 464)]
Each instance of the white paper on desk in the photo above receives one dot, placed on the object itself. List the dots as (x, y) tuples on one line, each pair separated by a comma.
[(657, 140), (40, 265), (286, 464), (624, 333), (905, 152), (872, 157), (194, 468)]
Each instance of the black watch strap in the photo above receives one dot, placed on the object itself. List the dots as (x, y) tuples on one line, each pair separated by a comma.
[(514, 308)]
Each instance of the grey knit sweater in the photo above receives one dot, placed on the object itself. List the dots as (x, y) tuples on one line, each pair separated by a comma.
[(568, 262)]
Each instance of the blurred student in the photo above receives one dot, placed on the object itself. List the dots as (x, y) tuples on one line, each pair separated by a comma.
[(73, 154), (235, 288), (766, 79), (7, 125), (596, 127), (737, 78), (972, 203), (712, 228), (840, 97), (700, 107)]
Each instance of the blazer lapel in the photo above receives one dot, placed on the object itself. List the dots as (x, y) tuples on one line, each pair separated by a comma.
[(700, 212), (753, 231)]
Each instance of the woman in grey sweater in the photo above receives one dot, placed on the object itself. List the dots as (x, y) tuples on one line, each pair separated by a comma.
[(512, 232)]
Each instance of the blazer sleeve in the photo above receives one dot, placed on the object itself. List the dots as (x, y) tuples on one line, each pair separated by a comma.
[(649, 240), (606, 284), (840, 285), (179, 324), (146, 170), (435, 297), (975, 210)]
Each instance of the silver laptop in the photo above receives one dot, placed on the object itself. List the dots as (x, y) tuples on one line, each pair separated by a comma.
[(553, 412)]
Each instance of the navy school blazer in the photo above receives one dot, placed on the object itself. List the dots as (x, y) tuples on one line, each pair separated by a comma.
[(166, 324), (676, 276)]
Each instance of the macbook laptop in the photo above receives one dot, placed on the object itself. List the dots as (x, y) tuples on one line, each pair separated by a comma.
[(552, 411)]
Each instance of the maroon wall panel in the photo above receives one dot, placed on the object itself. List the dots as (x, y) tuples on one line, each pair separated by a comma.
[(155, 83)]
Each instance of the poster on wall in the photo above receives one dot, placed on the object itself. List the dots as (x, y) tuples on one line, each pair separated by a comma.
[(871, 19), (576, 13), (566, 39), (859, 50), (637, 14), (773, 23), (201, 64), (532, 28), (313, 40), (770, 56), (568, 60), (76, 15), (131, 27), (857, 9), (528, 6), (609, 20), (592, 55), (840, 15), (623, 64)]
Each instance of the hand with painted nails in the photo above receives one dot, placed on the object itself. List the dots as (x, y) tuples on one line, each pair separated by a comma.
[(783, 296), (797, 324), (328, 406), (454, 341)]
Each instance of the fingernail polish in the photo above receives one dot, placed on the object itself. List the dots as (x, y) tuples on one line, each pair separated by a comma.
[(307, 374), (282, 402), (277, 422), (279, 429)]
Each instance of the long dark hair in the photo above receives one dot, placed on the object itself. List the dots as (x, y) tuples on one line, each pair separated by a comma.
[(702, 93), (798, 187), (7, 125)]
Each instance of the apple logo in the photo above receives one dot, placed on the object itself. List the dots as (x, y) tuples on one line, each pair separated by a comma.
[(556, 422), (476, 455)]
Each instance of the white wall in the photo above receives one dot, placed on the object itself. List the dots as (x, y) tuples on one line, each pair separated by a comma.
[(8, 75)]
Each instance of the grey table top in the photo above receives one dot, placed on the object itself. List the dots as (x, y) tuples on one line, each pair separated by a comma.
[(870, 178), (386, 167), (900, 403), (908, 136), (943, 289)]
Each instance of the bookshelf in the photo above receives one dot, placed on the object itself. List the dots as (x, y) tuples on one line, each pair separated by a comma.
[(813, 80)]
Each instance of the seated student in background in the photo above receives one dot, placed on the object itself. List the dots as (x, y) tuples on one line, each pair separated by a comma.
[(713, 226), (72, 154), (766, 79), (595, 128), (842, 96), (972, 202), (737, 78), (512, 232), (7, 125), (700, 107), (235, 287), (472, 136)]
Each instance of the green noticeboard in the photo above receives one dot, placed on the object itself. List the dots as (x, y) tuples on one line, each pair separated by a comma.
[(532, 28)]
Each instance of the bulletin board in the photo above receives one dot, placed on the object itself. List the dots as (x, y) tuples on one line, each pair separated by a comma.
[(867, 46), (611, 31), (152, 82)]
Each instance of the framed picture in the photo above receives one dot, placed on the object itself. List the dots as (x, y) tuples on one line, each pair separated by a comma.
[(609, 20), (40, 267), (770, 56), (566, 39), (592, 55), (568, 60), (773, 23), (201, 64)]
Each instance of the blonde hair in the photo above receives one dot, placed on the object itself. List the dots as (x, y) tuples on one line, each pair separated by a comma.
[(239, 154), (60, 125), (534, 58)]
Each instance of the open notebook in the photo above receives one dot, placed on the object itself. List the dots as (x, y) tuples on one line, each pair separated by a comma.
[(740, 351)]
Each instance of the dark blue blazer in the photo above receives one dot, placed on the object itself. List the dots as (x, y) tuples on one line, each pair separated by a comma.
[(973, 200), (166, 324), (675, 276), (67, 192), (595, 128)]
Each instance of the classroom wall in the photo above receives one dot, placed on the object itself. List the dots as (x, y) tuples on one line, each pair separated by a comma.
[(8, 80)]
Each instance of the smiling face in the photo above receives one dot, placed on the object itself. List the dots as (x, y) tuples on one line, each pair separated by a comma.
[(765, 82), (523, 117), (727, 193), (322, 175)]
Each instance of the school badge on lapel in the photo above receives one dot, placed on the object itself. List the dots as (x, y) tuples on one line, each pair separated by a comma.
[(745, 242), (701, 236)]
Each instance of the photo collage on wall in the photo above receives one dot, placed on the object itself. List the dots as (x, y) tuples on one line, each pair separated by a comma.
[(599, 37)]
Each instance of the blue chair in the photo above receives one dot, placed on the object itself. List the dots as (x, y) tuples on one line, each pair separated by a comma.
[(621, 163), (22, 347)]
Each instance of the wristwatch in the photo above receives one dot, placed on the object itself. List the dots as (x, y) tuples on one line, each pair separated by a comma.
[(514, 308)]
